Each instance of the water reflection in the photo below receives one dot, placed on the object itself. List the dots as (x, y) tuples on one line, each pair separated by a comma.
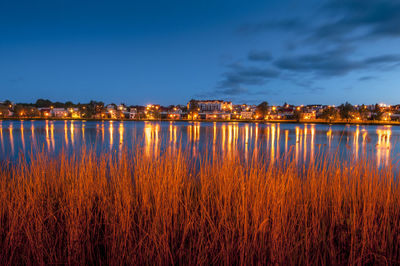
[(72, 129), (10, 128), (297, 144), (121, 135), (22, 134), (53, 143), (329, 136), (272, 141), (151, 143), (173, 137), (312, 144), (65, 132), (355, 142), (83, 130), (1, 136), (111, 133), (286, 140), (383, 146), (246, 142), (33, 134), (47, 135)]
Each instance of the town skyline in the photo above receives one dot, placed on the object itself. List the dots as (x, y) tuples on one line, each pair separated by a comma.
[(202, 110)]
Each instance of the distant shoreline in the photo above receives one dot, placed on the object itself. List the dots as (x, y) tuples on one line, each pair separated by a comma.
[(382, 123)]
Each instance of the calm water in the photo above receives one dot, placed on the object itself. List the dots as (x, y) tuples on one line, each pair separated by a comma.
[(303, 141)]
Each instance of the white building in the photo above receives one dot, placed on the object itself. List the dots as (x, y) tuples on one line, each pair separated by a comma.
[(212, 105), (246, 114), (133, 113), (59, 112), (213, 109)]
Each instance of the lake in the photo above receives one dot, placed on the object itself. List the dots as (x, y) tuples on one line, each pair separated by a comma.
[(272, 141)]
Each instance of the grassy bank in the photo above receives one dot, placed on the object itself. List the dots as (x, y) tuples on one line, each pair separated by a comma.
[(167, 209)]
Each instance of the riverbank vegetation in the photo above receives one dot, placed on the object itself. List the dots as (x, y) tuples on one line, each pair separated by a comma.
[(139, 207)]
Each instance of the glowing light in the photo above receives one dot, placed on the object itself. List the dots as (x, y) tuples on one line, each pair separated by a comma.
[(33, 132), (329, 136), (312, 145), (355, 142), (286, 140), (383, 146), (121, 135), (272, 143), (66, 133), (83, 130), (246, 140), (297, 144), (111, 133), (47, 135), (102, 131), (305, 143), (22, 135), (52, 135), (1, 136), (223, 128), (10, 128), (72, 128)]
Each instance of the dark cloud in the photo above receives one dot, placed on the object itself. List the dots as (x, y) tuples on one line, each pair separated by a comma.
[(259, 56), (238, 93), (390, 58), (365, 78), (333, 63), (234, 91), (372, 18), (340, 20), (235, 94), (240, 76), (286, 24), (237, 80)]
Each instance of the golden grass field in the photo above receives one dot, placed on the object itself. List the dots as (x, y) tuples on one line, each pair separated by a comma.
[(168, 209)]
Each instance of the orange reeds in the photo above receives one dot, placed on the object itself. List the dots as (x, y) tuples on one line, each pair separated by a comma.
[(136, 208)]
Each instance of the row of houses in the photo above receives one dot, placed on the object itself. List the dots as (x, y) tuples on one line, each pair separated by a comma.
[(217, 109), (200, 109)]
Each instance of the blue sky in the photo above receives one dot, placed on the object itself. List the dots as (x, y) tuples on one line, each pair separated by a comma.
[(167, 52)]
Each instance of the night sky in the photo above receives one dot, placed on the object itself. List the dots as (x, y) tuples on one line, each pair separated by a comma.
[(167, 52)]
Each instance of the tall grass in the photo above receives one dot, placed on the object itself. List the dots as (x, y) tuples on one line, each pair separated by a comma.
[(167, 209)]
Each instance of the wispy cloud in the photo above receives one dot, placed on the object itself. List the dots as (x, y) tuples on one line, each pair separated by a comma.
[(259, 56), (292, 24), (339, 20), (333, 62), (359, 19), (366, 78), (239, 76)]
